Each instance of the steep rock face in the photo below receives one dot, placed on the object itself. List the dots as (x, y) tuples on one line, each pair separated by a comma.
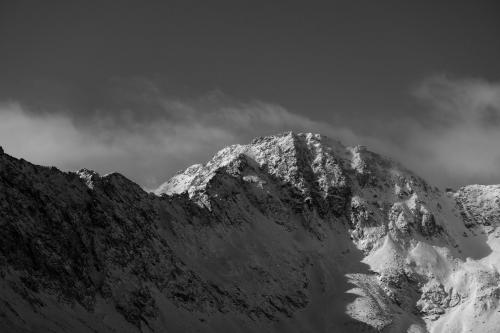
[(293, 232), (84, 246)]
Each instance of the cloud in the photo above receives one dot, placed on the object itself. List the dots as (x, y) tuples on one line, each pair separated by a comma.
[(462, 102), (149, 142), (461, 135), (148, 136)]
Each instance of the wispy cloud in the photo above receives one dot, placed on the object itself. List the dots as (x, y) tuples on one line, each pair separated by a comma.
[(150, 143), (149, 136), (462, 133)]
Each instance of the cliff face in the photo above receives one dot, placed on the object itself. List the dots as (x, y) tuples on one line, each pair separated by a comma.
[(291, 233)]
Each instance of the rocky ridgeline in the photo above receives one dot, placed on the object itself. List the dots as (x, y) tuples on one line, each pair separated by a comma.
[(293, 232)]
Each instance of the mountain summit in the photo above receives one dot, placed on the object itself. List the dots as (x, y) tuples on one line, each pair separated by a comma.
[(290, 233)]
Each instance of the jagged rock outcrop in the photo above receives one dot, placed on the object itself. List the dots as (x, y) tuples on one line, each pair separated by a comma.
[(293, 232)]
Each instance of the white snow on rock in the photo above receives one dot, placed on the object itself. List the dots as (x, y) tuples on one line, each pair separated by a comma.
[(447, 258), (88, 176)]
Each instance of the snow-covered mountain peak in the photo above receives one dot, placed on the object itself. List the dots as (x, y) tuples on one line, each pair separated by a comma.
[(295, 158), (279, 153), (88, 176), (292, 232)]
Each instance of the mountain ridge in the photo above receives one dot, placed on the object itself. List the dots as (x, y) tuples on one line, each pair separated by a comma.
[(291, 232)]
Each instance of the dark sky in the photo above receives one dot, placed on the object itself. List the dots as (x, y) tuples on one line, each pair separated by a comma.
[(383, 73)]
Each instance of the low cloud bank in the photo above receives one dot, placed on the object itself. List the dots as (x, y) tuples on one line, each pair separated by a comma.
[(460, 140), (147, 148), (455, 140)]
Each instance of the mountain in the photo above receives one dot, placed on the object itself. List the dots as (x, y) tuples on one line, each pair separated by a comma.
[(290, 233)]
